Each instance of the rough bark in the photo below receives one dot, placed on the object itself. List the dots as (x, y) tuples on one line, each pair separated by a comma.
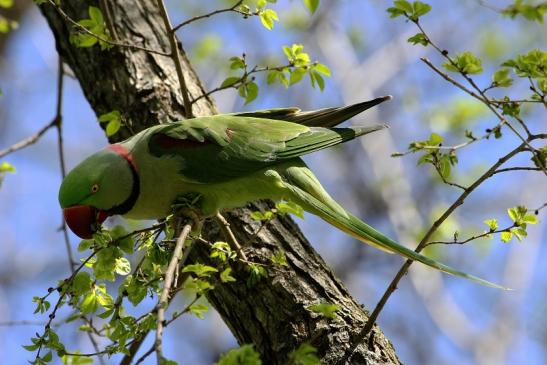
[(273, 313)]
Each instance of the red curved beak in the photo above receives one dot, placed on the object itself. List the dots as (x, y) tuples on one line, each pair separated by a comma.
[(83, 220)]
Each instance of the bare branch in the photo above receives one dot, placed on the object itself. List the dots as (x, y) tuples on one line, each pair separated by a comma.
[(230, 237), (168, 282), (220, 11), (176, 58), (29, 140)]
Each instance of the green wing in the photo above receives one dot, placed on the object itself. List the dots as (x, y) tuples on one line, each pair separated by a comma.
[(328, 117), (223, 147)]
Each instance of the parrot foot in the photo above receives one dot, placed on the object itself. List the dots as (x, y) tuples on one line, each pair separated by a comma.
[(187, 206)]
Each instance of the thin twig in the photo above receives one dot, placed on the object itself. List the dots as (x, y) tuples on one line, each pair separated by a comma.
[(242, 80), (28, 141), (517, 168), (481, 96), (98, 37), (109, 20), (220, 11), (163, 300), (60, 145), (230, 237), (472, 238), (174, 54), (21, 323)]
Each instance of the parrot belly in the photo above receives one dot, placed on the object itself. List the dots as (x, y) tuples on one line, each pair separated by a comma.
[(162, 185)]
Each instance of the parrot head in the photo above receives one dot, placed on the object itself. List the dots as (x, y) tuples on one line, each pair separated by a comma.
[(104, 184)]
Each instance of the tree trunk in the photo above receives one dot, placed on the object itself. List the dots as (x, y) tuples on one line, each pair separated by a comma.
[(273, 314)]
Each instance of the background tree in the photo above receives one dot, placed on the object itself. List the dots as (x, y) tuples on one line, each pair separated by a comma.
[(362, 71)]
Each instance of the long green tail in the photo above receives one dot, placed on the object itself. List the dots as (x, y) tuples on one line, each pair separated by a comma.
[(308, 193)]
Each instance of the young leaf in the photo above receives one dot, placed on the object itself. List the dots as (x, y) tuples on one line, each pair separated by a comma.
[(200, 270), (506, 236), (226, 277), (305, 354), (230, 81), (418, 38), (327, 310), (501, 78), (492, 224), (311, 5), (268, 17), (290, 208), (245, 355), (199, 310), (465, 62)]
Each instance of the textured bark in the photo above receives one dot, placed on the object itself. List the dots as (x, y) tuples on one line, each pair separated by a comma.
[(273, 313)]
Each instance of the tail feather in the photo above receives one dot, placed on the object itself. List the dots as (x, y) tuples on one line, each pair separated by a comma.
[(316, 201), (327, 117)]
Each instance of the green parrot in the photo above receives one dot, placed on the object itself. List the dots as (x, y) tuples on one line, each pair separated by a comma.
[(227, 160)]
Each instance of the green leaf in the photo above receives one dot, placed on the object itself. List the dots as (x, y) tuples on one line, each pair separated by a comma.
[(492, 224), (226, 277), (530, 219), (520, 233), (268, 17), (435, 139), (443, 164), (305, 354), (200, 286), (6, 3), (75, 359), (316, 77), (517, 214), (84, 245), (528, 11), (199, 310), (403, 5), (418, 38), (419, 9), (252, 92), (6, 167), (245, 355), (127, 243), (200, 270), (501, 78), (123, 266), (222, 251), (506, 236), (114, 120), (95, 15), (466, 63), (135, 290), (327, 310), (323, 69), (256, 274), (113, 127), (47, 357), (296, 76), (90, 304), (279, 258), (237, 63), (230, 81), (81, 283), (311, 5), (395, 12), (290, 207)]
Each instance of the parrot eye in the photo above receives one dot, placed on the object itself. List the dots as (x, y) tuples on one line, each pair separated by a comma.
[(94, 188)]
